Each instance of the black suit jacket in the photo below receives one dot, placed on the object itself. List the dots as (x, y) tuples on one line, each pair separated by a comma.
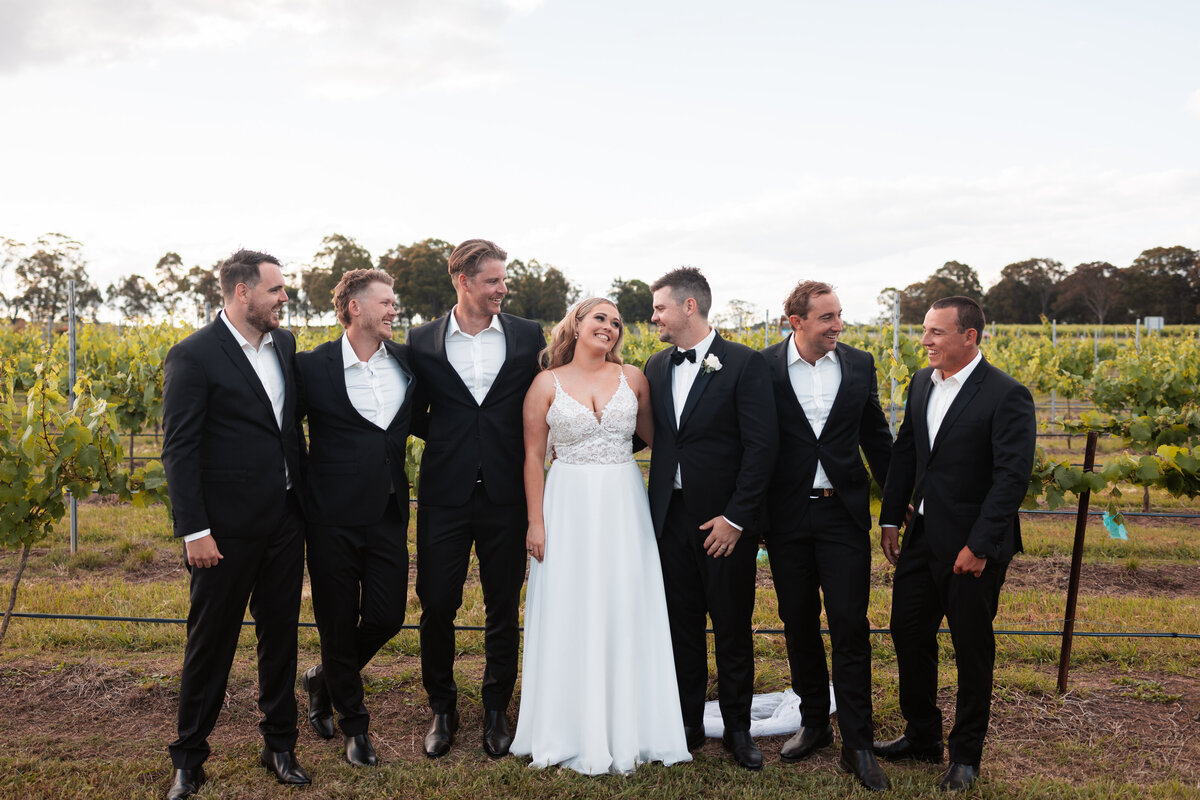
[(352, 463), (223, 452), (855, 420), (725, 442), (974, 476), (465, 439)]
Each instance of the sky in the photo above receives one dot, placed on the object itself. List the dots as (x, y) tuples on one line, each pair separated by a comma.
[(861, 143)]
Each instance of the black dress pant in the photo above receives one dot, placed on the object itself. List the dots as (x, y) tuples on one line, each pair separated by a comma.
[(723, 588), (924, 590), (266, 572), (360, 590), (445, 535), (826, 552)]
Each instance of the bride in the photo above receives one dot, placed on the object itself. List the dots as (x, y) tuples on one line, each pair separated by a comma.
[(598, 684)]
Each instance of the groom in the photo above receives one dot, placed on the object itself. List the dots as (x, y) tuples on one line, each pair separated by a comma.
[(714, 447)]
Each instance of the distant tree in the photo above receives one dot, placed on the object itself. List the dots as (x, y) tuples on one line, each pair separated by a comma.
[(1164, 282), (202, 287), (536, 291), (338, 255), (1025, 292), (172, 283), (422, 274), (739, 315), (133, 296), (43, 272), (1091, 292), (952, 278), (634, 300)]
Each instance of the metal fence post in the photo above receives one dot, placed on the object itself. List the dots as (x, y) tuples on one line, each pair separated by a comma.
[(895, 355), (74, 504), (1081, 517)]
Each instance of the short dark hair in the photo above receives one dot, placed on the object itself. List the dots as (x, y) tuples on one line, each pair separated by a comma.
[(468, 256), (242, 267), (970, 315), (797, 302), (351, 286), (686, 282)]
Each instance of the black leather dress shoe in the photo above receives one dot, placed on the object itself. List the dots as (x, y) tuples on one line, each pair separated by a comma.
[(359, 751), (745, 751), (320, 709), (905, 749), (285, 767), (959, 777), (863, 765), (185, 783), (496, 738), (441, 734), (694, 734), (806, 742)]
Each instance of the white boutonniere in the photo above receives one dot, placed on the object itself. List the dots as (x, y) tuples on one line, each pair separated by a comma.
[(710, 364)]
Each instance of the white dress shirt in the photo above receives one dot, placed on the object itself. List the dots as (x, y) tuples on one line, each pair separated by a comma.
[(376, 387), (265, 364), (941, 396), (477, 359), (816, 387)]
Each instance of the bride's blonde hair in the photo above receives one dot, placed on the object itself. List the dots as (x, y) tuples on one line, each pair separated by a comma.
[(561, 349)]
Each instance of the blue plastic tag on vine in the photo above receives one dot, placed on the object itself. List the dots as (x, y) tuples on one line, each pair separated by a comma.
[(1115, 529), (762, 557)]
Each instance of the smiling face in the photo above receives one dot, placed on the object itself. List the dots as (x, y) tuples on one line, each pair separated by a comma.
[(948, 349), (481, 295), (266, 299), (374, 310), (600, 328), (817, 332), (674, 319)]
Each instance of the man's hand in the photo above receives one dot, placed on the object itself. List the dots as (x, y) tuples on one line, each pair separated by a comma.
[(535, 541), (908, 514), (969, 562), (203, 552), (889, 540), (721, 538)]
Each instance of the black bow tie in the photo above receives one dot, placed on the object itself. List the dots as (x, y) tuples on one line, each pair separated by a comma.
[(679, 356)]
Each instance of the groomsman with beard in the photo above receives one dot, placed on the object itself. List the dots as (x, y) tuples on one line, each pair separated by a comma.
[(713, 451), (357, 392), (827, 399)]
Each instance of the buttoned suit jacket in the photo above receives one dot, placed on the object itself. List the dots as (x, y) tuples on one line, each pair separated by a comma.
[(975, 474), (725, 442), (352, 463), (223, 452), (465, 439), (855, 420)]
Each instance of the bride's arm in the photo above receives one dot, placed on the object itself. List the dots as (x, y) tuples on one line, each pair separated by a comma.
[(645, 416), (537, 403)]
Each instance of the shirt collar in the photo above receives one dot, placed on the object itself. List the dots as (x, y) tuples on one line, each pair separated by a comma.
[(237, 335), (453, 329), (794, 355), (961, 376), (350, 358), (703, 345)]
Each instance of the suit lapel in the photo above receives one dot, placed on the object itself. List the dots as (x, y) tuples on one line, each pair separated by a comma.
[(337, 379), (439, 352), (395, 352), (717, 348), (666, 397), (968, 391), (847, 373), (782, 376), (920, 408), (510, 354), (242, 364)]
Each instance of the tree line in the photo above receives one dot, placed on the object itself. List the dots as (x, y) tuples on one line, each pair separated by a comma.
[(1161, 281)]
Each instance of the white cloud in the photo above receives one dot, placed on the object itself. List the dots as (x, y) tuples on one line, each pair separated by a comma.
[(1193, 104), (335, 48)]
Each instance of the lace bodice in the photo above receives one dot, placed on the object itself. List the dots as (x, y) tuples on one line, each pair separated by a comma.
[(577, 437)]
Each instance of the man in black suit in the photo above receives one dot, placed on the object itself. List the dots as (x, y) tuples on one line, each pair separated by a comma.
[(714, 447), (357, 393), (827, 400), (475, 365), (231, 451), (962, 457)]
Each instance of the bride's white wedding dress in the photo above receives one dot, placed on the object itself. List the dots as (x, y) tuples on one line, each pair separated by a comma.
[(598, 691)]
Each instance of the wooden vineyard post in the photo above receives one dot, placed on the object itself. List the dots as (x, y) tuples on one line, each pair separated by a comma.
[(1081, 516)]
